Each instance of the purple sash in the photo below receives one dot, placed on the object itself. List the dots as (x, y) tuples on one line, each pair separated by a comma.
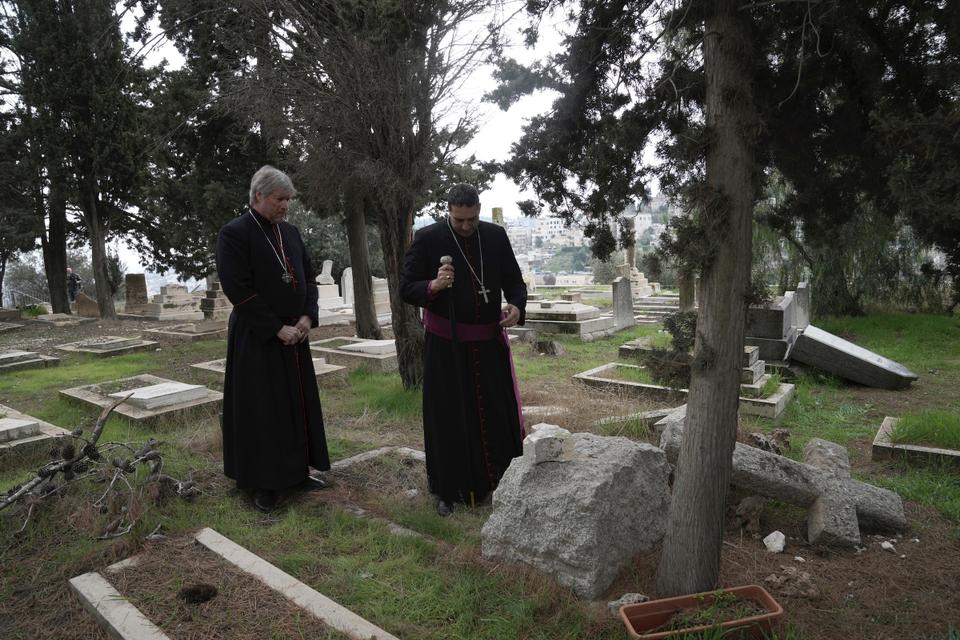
[(467, 332)]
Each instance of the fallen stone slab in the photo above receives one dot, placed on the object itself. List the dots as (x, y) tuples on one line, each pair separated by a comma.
[(833, 354), (838, 506), (583, 512)]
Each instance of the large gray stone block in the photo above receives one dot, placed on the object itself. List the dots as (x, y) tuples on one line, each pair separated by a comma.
[(830, 353), (581, 521)]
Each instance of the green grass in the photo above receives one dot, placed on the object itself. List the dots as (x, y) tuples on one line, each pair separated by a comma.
[(771, 385), (935, 428), (630, 374), (920, 342), (32, 311), (382, 393)]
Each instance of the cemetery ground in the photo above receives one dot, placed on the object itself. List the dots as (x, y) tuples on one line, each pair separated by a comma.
[(435, 584)]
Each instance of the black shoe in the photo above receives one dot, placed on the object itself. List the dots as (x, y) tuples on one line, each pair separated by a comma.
[(264, 500), (315, 483), (444, 508)]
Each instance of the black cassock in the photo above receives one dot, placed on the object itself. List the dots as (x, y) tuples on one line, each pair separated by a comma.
[(471, 381), (272, 420)]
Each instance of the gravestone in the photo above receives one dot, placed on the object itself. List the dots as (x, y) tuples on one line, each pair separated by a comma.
[(571, 318), (215, 304), (136, 290), (837, 505), (335, 352), (381, 296), (20, 432), (833, 354), (801, 299), (87, 306), (346, 286), (622, 304), (326, 273), (108, 345), (62, 319), (161, 395), (570, 506)]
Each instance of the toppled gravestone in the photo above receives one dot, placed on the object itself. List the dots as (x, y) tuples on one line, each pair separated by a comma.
[(578, 506)]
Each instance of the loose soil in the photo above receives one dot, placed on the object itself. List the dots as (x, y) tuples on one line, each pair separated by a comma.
[(242, 608)]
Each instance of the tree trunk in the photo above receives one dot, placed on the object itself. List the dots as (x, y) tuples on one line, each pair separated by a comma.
[(98, 254), (690, 560), (53, 241), (688, 296), (833, 297), (395, 228), (363, 307)]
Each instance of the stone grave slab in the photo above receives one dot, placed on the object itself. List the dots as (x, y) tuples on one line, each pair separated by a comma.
[(9, 314), (602, 378), (772, 320), (16, 360), (16, 428), (62, 319), (561, 311), (833, 354), (19, 431), (838, 506), (189, 398), (9, 326), (190, 331), (885, 449), (622, 304), (106, 346), (331, 350), (161, 395), (373, 347), (323, 370), (773, 348), (569, 506)]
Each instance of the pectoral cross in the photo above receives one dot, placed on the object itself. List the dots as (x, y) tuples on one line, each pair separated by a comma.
[(483, 291)]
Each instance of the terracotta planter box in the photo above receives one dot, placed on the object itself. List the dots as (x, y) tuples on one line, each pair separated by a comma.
[(645, 620)]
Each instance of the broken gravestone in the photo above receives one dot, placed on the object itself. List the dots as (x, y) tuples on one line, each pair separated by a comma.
[(837, 504), (578, 506)]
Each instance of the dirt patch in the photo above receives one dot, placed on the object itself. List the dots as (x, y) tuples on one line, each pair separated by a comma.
[(171, 576), (874, 594)]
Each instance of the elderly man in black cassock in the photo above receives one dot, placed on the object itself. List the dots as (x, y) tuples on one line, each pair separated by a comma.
[(472, 423), (272, 420)]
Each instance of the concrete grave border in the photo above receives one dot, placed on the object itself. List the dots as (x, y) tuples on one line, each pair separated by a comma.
[(122, 620), (884, 449), (9, 326), (351, 359), (772, 407), (324, 371), (75, 347), (88, 394), (63, 322), (173, 334)]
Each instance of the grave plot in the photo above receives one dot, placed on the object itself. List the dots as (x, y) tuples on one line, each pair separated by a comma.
[(9, 326), (887, 446), (106, 346), (325, 372), (213, 589), (375, 355), (21, 432), (190, 331), (763, 396), (152, 397), (16, 360), (62, 319)]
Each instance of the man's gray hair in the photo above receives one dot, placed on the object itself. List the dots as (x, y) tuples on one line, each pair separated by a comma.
[(268, 179)]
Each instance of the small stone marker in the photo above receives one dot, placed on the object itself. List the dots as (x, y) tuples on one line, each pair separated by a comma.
[(775, 542), (346, 286), (136, 289), (86, 306), (14, 429), (163, 395), (326, 273), (548, 443)]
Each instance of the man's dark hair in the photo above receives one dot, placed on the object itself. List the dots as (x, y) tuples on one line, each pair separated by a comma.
[(463, 195)]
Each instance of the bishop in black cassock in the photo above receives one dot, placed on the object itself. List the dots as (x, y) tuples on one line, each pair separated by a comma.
[(272, 419), (472, 424)]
